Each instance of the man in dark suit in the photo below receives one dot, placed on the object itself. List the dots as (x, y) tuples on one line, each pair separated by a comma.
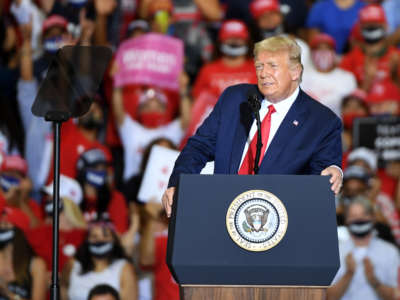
[(299, 135)]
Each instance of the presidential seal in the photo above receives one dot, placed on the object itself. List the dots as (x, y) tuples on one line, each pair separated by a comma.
[(256, 220)]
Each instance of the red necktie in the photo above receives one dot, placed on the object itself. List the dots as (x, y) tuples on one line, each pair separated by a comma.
[(247, 166)]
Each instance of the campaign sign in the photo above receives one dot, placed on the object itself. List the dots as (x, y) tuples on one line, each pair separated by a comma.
[(156, 175), (379, 134), (151, 59)]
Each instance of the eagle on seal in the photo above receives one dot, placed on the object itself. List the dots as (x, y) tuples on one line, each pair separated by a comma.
[(256, 217)]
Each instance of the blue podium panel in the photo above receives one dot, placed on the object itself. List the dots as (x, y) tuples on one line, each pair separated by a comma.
[(201, 251)]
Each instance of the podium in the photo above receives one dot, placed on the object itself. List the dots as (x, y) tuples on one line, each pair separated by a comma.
[(221, 224)]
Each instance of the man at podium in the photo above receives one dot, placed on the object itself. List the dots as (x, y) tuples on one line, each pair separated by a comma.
[(298, 134)]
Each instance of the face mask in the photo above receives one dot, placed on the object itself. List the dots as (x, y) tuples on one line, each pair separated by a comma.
[(373, 34), (6, 236), (234, 50), (96, 178), (323, 59), (360, 228), (7, 182), (48, 208), (101, 249), (77, 3), (348, 119), (151, 119), (267, 33), (90, 123), (162, 19), (51, 45)]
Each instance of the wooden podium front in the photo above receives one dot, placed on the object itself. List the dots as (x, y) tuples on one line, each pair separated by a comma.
[(204, 292)]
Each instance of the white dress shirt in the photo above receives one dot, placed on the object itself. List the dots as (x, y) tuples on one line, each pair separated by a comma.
[(281, 109)]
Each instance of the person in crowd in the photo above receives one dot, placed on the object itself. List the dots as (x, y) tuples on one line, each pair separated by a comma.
[(226, 134), (270, 20), (99, 260), (385, 205), (135, 136), (15, 187), (103, 292), (374, 60), (324, 16), (22, 274), (353, 106), (100, 198), (384, 99), (368, 265), (233, 64), (72, 225), (153, 250), (325, 82)]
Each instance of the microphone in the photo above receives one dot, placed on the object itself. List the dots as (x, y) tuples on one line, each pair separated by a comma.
[(254, 102)]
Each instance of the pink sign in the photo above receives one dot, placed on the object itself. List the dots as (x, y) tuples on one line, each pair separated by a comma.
[(152, 59)]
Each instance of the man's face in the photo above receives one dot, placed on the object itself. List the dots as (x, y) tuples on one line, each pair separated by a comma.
[(270, 20), (103, 297), (356, 212), (353, 187), (276, 77)]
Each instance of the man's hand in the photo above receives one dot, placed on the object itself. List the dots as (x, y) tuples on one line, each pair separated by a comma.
[(336, 178), (167, 200), (350, 264), (370, 273)]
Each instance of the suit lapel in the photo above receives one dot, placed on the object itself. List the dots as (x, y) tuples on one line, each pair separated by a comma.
[(289, 127), (241, 135)]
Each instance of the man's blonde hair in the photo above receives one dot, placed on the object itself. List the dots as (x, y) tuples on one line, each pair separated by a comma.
[(280, 43)]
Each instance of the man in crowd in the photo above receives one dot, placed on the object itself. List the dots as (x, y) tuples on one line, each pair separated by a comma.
[(369, 265), (288, 116)]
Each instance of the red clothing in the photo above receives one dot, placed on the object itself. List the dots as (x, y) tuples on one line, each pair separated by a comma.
[(217, 76), (388, 183), (36, 209), (354, 62), (165, 286), (73, 144), (41, 240), (117, 210)]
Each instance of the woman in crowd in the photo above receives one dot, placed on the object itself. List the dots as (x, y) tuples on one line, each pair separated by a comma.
[(22, 275), (99, 260)]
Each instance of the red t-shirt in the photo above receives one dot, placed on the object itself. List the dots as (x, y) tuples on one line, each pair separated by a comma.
[(165, 286), (73, 144), (41, 240), (217, 76), (388, 183), (354, 62)]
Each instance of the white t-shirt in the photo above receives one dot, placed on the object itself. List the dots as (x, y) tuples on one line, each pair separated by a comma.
[(385, 259), (329, 88), (135, 138), (80, 285)]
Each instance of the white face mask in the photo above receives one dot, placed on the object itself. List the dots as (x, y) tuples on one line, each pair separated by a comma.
[(51, 45), (233, 50), (323, 59)]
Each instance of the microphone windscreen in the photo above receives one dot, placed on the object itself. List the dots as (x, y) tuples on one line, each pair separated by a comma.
[(253, 99)]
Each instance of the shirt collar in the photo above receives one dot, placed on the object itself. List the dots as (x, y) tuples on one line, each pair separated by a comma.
[(282, 107)]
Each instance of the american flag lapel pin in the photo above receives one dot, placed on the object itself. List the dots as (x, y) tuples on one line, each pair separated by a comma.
[(295, 122)]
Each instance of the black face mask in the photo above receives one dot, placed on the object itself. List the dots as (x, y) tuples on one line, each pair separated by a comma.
[(373, 34), (360, 228), (267, 33), (101, 249), (6, 237), (90, 123)]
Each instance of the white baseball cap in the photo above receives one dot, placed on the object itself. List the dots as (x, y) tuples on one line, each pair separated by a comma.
[(364, 154), (69, 188)]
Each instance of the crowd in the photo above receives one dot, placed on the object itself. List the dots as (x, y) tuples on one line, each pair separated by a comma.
[(113, 245)]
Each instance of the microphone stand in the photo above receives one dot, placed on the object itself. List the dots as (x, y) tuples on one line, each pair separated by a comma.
[(259, 141), (57, 117)]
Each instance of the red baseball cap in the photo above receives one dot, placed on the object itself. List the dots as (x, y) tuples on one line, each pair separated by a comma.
[(383, 91), (54, 20), (322, 38), (14, 163), (259, 7), (233, 29), (372, 13)]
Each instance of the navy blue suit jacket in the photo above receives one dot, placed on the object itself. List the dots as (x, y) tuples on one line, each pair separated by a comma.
[(308, 148)]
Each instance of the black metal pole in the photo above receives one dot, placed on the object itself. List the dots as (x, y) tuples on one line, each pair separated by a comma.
[(55, 288), (259, 143)]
